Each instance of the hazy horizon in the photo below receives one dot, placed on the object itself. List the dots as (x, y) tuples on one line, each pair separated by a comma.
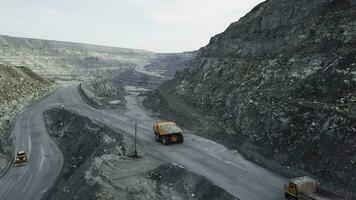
[(153, 25)]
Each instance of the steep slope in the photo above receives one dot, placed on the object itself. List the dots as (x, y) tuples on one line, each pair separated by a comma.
[(18, 86), (283, 81)]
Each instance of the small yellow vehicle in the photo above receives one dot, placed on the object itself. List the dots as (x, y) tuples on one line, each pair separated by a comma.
[(167, 132), (21, 159), (306, 188)]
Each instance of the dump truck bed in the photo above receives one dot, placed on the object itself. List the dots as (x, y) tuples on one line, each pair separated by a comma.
[(170, 128)]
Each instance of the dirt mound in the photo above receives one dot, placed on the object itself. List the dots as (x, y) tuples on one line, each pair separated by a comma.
[(103, 93), (188, 185), (79, 140)]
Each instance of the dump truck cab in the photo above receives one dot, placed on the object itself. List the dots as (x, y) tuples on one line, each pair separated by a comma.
[(21, 159), (167, 132), (306, 188)]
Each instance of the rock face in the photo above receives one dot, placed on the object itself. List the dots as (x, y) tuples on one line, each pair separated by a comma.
[(283, 78)]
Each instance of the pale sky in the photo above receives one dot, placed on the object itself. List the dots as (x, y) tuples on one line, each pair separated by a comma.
[(156, 25)]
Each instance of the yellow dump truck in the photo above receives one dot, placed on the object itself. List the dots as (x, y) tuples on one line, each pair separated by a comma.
[(167, 132), (21, 159), (306, 188)]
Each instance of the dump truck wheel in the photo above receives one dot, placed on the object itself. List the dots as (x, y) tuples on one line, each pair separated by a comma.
[(180, 139), (157, 137), (166, 140)]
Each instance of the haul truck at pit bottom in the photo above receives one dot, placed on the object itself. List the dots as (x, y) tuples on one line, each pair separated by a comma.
[(167, 132), (306, 188)]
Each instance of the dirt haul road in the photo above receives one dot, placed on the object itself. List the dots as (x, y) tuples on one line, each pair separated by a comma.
[(225, 168)]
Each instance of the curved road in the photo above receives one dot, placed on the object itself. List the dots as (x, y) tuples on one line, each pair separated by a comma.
[(225, 168)]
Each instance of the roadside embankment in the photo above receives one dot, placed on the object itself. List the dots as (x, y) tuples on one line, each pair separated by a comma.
[(18, 87)]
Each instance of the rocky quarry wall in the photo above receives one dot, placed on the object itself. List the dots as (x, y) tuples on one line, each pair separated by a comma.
[(283, 79)]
